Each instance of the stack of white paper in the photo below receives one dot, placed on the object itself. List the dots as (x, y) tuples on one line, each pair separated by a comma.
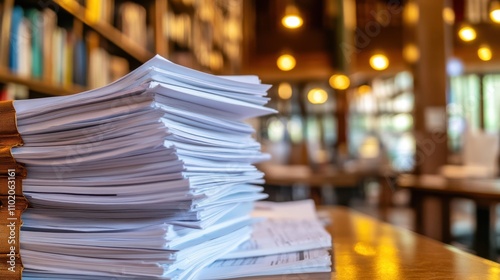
[(151, 176)]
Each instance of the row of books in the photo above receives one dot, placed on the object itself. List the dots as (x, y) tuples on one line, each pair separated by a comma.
[(212, 31), (129, 17), (209, 29), (40, 49), (43, 47)]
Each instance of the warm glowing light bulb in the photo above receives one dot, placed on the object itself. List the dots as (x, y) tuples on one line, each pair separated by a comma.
[(495, 11), (339, 81), (379, 62), (292, 18), (448, 15), (292, 21), (286, 62), (495, 16), (411, 13), (467, 33), (411, 53), (285, 91), (364, 89), (317, 96), (484, 53)]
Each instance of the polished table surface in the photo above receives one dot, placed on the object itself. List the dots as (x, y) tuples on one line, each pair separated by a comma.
[(365, 248)]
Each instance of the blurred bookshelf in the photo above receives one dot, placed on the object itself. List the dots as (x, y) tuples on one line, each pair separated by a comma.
[(301, 132), (381, 111), (61, 47)]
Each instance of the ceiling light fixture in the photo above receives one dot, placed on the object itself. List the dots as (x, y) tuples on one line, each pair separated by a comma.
[(411, 53), (285, 91), (379, 62), (495, 11), (448, 15), (411, 13), (292, 18), (286, 62), (467, 33), (484, 53), (339, 81), (317, 96), (364, 89)]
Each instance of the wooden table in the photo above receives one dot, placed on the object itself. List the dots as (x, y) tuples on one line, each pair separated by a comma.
[(365, 248), (484, 192), (342, 180)]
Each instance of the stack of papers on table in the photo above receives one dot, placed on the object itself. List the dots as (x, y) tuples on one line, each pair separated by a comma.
[(149, 177)]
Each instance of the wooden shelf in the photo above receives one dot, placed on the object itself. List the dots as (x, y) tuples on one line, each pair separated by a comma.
[(180, 7), (107, 31), (39, 85)]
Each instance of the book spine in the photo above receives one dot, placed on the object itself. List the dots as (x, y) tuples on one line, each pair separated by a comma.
[(80, 66), (24, 51), (36, 23), (93, 10), (17, 17), (6, 8), (49, 25)]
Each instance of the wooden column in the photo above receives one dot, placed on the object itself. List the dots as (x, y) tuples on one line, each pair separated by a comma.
[(433, 40), (432, 37), (342, 112), (345, 27)]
